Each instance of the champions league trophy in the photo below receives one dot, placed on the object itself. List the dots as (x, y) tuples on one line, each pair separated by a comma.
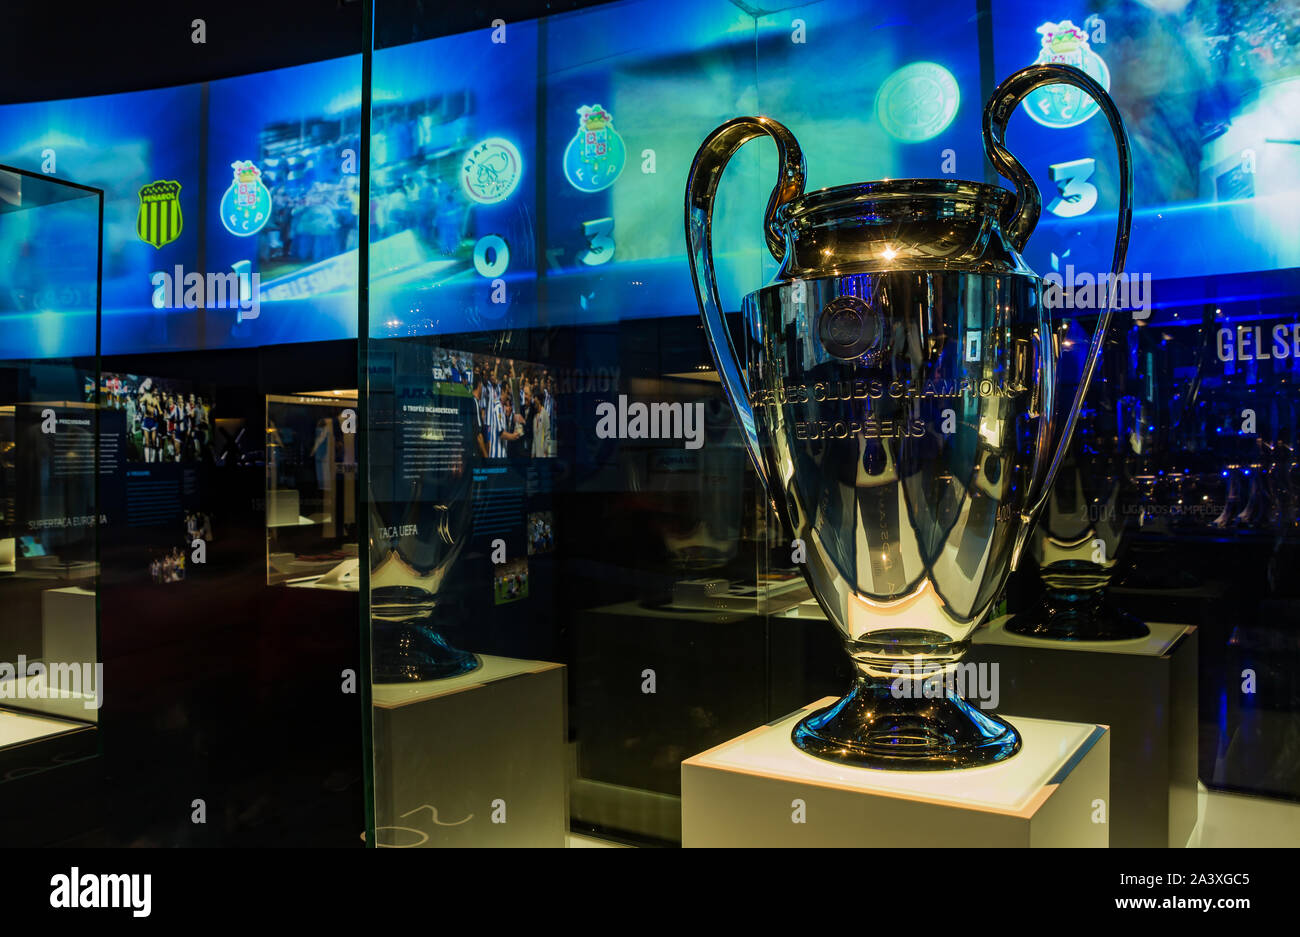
[(897, 403)]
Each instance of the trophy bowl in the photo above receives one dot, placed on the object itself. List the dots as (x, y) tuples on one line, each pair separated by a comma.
[(897, 398)]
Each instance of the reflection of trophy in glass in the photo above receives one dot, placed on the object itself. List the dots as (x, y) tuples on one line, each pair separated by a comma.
[(700, 505), (1089, 509), (897, 405), (411, 555), (420, 512)]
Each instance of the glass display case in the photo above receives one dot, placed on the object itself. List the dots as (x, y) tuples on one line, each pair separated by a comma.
[(573, 580), (311, 514), (51, 461)]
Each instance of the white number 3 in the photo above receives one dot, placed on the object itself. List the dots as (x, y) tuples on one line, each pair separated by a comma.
[(1077, 194), (600, 246)]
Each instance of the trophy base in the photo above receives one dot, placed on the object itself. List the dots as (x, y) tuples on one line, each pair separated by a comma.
[(1096, 620), (409, 653), (875, 727)]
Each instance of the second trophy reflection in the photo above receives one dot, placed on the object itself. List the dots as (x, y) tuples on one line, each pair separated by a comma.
[(411, 557), (420, 513), (1094, 502)]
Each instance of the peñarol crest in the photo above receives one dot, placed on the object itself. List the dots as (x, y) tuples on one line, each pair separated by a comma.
[(159, 220)]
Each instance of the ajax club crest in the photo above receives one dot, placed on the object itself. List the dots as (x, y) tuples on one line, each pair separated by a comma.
[(491, 170), (1060, 105), (159, 220), (246, 206), (594, 157)]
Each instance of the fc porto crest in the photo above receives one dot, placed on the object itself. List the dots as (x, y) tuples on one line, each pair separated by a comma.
[(595, 156), (246, 206), (1059, 105), (159, 220)]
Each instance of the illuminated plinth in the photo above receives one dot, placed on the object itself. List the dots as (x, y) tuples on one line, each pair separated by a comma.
[(473, 760), (1145, 689), (759, 790)]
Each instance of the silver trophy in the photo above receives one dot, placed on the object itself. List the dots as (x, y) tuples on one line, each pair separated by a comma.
[(897, 400)]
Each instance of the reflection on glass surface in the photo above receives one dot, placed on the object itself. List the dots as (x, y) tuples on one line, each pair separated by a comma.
[(1077, 542), (50, 457), (418, 510), (311, 463), (658, 574)]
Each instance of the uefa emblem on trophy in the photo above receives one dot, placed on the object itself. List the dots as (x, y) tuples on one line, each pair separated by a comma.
[(897, 394)]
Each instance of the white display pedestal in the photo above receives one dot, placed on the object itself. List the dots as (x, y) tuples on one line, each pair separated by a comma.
[(282, 508), (19, 728), (455, 757), (68, 637), (68, 625), (31, 743), (759, 790), (1144, 689), (71, 697)]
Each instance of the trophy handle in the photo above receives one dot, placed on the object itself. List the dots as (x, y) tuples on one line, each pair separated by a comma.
[(701, 187), (1022, 216)]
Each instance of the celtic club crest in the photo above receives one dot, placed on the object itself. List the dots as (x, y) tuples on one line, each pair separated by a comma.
[(917, 102), (246, 206), (1060, 105), (595, 156), (159, 219), (491, 170)]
